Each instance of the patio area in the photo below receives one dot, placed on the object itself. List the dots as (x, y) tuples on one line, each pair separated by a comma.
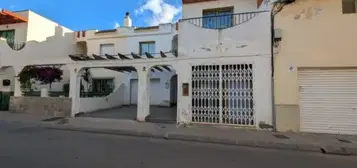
[(157, 114)]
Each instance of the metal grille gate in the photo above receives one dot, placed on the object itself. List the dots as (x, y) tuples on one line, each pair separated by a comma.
[(223, 94)]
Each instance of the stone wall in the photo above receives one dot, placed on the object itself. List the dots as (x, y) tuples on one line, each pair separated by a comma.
[(42, 106)]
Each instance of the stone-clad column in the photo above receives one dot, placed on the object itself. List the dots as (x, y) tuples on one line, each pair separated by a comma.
[(143, 93), (74, 90)]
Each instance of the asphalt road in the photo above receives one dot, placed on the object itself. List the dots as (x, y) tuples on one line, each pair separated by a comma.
[(27, 146)]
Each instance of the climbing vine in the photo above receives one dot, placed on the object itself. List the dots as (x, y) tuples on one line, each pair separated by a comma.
[(45, 75)]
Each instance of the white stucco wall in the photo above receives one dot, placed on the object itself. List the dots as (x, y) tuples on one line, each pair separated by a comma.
[(195, 9), (126, 40), (41, 28), (249, 38), (20, 31), (115, 99)]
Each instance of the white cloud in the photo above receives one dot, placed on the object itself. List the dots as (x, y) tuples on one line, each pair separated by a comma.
[(161, 11), (116, 25), (12, 7)]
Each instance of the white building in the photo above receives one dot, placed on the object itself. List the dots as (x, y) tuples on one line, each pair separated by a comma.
[(27, 38), (228, 45), (127, 40), (221, 56)]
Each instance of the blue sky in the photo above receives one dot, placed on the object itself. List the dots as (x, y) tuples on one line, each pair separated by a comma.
[(100, 14)]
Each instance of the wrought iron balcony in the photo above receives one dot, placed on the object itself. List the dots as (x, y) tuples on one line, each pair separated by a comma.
[(222, 21), (14, 44)]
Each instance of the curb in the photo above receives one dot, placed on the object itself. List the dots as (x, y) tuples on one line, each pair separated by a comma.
[(193, 138), (106, 131), (246, 143), (333, 149)]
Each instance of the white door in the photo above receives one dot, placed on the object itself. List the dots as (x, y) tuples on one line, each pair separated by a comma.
[(155, 98), (328, 100)]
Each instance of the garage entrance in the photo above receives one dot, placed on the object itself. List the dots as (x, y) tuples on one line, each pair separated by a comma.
[(328, 100)]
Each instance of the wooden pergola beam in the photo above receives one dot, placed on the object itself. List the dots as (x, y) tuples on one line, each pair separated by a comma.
[(97, 57), (163, 55), (135, 56), (110, 57), (149, 55), (158, 68), (121, 56), (167, 68)]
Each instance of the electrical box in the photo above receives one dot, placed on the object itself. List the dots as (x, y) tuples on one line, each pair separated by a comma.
[(277, 34), (6, 82), (185, 89)]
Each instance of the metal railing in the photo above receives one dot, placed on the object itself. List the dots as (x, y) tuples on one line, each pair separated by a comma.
[(15, 45), (222, 21)]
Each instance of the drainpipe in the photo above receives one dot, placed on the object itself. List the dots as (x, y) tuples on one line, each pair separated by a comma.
[(272, 65), (272, 23)]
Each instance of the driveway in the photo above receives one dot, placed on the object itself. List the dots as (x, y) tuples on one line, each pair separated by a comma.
[(157, 113)]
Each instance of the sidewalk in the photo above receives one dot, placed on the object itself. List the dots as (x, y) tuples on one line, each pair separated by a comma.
[(330, 144)]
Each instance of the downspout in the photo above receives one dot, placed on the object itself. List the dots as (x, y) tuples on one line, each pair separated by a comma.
[(272, 65), (272, 23)]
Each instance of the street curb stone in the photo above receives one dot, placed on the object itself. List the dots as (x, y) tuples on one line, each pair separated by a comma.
[(247, 143), (331, 149), (106, 131)]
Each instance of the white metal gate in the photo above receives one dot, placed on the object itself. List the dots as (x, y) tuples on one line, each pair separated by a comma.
[(223, 94)]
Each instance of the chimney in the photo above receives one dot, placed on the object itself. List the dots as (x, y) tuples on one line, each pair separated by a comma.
[(127, 20)]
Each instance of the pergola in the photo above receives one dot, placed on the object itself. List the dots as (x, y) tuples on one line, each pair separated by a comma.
[(119, 56)]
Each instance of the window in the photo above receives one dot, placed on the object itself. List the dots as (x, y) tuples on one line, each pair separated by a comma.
[(147, 47), (103, 85), (219, 18), (8, 34), (348, 6), (107, 49)]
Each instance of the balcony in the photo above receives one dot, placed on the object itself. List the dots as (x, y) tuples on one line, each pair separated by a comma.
[(237, 34), (13, 44)]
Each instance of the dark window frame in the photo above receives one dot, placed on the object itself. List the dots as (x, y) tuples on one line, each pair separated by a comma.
[(216, 19), (6, 32), (101, 82), (148, 43), (349, 6)]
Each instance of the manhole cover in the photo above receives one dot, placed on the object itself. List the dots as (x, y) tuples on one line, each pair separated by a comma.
[(344, 141), (281, 136)]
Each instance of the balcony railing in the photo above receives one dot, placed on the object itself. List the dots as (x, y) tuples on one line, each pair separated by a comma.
[(15, 45), (222, 21)]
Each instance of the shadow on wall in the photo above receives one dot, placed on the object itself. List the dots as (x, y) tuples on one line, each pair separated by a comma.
[(115, 99), (58, 46)]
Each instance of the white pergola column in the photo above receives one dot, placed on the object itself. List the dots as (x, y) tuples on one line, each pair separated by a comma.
[(17, 84), (143, 93), (74, 90), (184, 103)]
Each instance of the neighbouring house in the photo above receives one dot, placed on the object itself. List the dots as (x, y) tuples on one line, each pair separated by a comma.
[(27, 38), (128, 41), (315, 66)]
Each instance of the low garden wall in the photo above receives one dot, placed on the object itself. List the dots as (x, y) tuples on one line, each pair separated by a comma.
[(42, 106)]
